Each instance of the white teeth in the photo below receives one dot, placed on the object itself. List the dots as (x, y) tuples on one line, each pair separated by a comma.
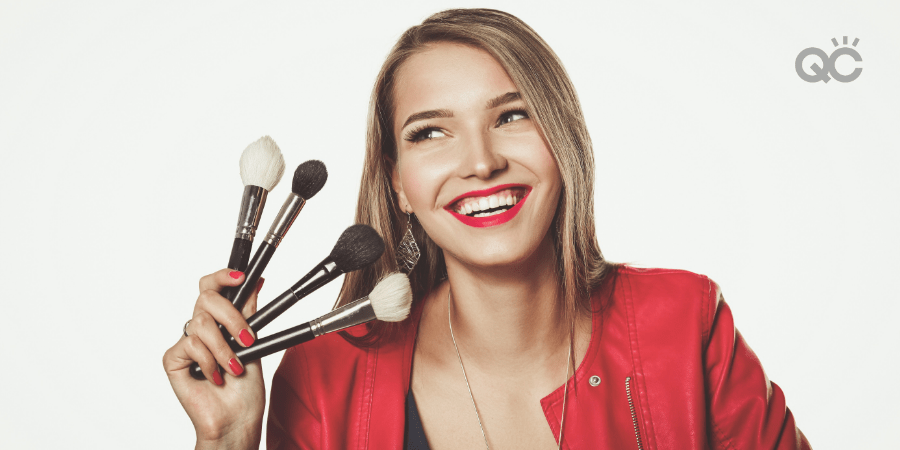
[(477, 206)]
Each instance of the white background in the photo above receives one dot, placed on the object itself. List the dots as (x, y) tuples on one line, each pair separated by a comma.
[(121, 125)]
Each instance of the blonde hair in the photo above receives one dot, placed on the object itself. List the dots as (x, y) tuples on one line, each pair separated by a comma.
[(551, 102)]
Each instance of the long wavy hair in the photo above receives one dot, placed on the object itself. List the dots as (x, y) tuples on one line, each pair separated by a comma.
[(551, 102)]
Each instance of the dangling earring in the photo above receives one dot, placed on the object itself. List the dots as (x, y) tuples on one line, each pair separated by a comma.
[(407, 252)]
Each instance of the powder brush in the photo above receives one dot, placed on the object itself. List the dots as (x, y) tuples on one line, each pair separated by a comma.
[(262, 166)]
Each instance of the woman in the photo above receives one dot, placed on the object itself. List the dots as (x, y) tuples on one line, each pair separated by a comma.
[(475, 128)]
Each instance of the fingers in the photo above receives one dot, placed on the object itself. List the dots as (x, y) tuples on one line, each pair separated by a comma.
[(205, 343), (205, 330), (222, 311), (187, 350), (223, 278)]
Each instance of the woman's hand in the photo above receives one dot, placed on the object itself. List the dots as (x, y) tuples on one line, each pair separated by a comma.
[(227, 407)]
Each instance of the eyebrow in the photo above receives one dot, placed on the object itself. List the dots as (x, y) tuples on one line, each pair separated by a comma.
[(432, 114), (499, 100)]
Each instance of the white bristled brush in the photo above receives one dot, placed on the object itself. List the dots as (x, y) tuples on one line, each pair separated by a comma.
[(262, 166)]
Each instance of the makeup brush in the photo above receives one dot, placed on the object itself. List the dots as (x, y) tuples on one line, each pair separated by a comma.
[(261, 168), (357, 247), (390, 301), (308, 180)]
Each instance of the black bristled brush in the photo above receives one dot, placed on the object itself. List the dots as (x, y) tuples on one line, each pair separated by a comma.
[(357, 247)]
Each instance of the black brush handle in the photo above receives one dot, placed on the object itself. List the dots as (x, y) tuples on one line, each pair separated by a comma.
[(240, 258), (266, 346), (252, 274), (251, 277), (324, 273)]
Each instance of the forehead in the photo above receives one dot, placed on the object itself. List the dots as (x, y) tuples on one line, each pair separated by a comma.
[(449, 76)]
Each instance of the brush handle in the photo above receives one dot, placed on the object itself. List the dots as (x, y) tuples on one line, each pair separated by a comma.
[(266, 346), (251, 277), (321, 275), (240, 254), (240, 258)]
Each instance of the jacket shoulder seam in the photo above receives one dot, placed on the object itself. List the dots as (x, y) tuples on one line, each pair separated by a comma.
[(368, 398), (309, 392), (723, 439)]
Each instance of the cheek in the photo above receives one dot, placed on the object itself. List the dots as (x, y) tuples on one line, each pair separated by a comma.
[(540, 161), (422, 178)]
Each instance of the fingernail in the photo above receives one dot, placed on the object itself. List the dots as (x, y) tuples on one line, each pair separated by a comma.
[(246, 338), (235, 366), (217, 378), (235, 274), (259, 284)]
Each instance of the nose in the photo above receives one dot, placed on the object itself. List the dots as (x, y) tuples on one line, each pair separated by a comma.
[(481, 158)]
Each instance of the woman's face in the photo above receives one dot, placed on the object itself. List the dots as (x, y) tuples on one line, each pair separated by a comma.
[(471, 164)]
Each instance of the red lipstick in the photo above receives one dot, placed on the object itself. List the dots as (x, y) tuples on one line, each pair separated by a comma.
[(496, 219)]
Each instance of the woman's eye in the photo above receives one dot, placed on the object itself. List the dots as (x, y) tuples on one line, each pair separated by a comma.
[(512, 116), (424, 135)]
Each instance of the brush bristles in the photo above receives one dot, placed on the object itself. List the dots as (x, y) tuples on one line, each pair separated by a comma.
[(262, 164), (392, 298), (309, 179), (358, 246)]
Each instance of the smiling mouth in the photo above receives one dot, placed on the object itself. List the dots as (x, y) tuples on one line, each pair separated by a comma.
[(489, 205)]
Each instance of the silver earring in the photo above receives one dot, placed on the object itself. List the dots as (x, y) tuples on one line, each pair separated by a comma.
[(408, 251)]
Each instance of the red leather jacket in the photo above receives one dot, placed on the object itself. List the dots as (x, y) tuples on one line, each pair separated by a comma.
[(665, 369)]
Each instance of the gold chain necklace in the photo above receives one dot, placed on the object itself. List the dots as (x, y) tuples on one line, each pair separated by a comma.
[(562, 416)]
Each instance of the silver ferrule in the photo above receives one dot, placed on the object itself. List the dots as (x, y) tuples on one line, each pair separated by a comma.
[(252, 204), (354, 313), (289, 211)]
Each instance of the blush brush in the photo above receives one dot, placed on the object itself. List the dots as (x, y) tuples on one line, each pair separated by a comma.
[(390, 301), (262, 166)]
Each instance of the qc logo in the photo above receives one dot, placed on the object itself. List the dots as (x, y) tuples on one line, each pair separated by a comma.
[(820, 73)]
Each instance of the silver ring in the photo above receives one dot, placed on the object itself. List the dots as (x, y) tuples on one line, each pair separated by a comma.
[(184, 329)]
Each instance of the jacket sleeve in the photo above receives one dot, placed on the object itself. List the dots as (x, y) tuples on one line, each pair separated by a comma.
[(746, 410), (292, 423)]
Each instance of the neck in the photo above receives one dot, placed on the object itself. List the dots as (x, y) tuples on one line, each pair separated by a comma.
[(508, 317)]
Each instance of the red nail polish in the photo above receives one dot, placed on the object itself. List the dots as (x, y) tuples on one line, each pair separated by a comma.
[(217, 378), (235, 274), (235, 366), (246, 338), (259, 285)]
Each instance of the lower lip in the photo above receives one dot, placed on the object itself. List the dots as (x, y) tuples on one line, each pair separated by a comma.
[(490, 221)]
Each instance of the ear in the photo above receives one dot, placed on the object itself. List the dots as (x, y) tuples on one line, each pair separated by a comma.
[(397, 185)]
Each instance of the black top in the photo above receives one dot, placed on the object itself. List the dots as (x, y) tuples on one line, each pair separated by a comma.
[(415, 434)]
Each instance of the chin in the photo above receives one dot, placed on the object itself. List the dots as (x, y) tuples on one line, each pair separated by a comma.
[(500, 255)]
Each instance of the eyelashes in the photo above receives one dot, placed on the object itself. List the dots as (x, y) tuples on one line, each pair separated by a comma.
[(509, 114), (420, 133), (423, 132)]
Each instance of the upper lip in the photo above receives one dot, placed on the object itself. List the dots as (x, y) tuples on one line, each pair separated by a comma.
[(486, 192)]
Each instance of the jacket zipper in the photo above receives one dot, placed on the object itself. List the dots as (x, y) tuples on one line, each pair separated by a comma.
[(637, 431)]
